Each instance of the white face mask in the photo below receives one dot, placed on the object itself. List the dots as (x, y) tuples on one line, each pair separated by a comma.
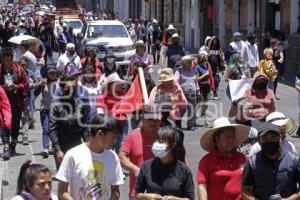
[(110, 60), (159, 150)]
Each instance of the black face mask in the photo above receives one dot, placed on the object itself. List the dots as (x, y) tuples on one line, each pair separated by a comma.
[(175, 43), (71, 52), (270, 148), (260, 86)]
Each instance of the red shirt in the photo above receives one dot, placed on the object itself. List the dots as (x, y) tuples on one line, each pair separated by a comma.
[(221, 175), (139, 148)]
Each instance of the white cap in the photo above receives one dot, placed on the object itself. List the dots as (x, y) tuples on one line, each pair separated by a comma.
[(237, 34), (70, 45)]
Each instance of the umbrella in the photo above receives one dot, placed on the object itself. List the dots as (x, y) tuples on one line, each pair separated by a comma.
[(18, 39)]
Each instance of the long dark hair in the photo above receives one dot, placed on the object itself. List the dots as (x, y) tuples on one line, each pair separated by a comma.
[(28, 174), (174, 138)]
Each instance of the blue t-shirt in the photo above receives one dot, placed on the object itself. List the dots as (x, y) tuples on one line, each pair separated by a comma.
[(200, 69)]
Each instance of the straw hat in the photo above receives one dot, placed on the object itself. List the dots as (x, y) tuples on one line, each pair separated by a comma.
[(171, 28), (186, 59), (207, 139), (114, 77), (166, 75), (154, 21), (175, 35), (139, 43), (278, 119)]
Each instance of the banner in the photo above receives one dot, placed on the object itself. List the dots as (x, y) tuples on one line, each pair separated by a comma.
[(238, 88)]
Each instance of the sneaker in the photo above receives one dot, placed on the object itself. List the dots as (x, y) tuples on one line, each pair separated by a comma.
[(13, 149), (51, 152), (6, 153), (45, 153), (25, 139)]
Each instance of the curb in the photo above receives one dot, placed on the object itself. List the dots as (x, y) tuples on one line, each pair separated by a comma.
[(1, 179)]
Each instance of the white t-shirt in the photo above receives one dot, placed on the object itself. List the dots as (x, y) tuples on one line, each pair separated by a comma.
[(31, 60), (64, 59), (239, 47), (90, 174), (285, 144), (251, 55)]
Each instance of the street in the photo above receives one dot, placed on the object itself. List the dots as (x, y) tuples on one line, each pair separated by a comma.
[(10, 169)]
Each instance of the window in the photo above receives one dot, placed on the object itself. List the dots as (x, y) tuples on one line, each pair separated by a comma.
[(172, 11), (96, 31), (180, 11)]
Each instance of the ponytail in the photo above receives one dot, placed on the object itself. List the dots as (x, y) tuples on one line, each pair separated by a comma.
[(28, 173)]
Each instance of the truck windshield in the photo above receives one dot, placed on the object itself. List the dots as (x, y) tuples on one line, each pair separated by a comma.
[(95, 31), (74, 24)]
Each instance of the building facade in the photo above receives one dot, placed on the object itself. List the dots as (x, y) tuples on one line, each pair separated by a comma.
[(196, 19)]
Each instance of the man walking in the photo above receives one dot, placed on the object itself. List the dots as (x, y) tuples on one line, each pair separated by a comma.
[(137, 146), (92, 170), (272, 173)]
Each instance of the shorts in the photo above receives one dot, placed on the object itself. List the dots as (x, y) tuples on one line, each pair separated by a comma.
[(204, 90)]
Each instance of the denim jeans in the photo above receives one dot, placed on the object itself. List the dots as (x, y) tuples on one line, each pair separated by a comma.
[(44, 115), (121, 137), (271, 85), (29, 104), (14, 132)]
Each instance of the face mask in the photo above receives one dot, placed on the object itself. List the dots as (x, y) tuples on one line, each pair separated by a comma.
[(159, 150), (261, 86), (71, 52), (176, 43), (110, 60), (270, 148)]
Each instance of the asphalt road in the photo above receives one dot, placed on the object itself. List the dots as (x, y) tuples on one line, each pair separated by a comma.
[(10, 169)]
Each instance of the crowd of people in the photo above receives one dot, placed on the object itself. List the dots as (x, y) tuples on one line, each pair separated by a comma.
[(94, 145)]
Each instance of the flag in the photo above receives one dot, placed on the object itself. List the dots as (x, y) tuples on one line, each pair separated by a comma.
[(133, 100)]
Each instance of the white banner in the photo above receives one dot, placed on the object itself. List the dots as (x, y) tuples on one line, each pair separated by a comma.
[(238, 87)]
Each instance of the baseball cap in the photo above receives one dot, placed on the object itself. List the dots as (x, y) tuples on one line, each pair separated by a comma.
[(267, 127), (150, 111), (237, 34), (51, 68)]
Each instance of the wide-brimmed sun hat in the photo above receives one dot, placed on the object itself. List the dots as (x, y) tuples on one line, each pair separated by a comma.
[(139, 43), (171, 28), (166, 74), (176, 36), (187, 58), (207, 139), (114, 77), (279, 119)]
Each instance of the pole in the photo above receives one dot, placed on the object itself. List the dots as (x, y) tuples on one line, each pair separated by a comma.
[(143, 85)]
